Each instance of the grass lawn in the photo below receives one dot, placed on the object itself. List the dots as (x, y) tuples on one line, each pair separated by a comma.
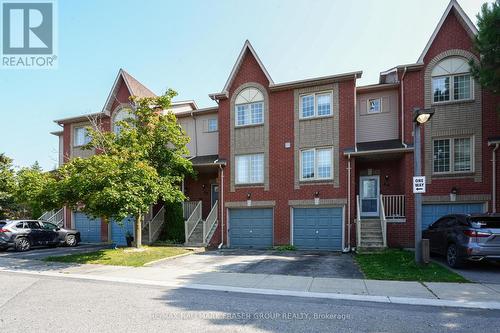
[(121, 256), (400, 265)]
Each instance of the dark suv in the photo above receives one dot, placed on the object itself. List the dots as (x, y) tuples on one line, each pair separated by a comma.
[(23, 234), (463, 237)]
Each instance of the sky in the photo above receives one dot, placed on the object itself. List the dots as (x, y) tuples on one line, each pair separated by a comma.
[(191, 46)]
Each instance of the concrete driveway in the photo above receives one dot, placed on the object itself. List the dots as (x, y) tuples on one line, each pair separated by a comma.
[(40, 253), (296, 263), (479, 272)]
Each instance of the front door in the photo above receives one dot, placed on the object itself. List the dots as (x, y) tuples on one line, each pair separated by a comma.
[(369, 190), (215, 194)]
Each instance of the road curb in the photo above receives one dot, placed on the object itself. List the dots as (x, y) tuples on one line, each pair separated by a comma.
[(192, 251), (305, 294)]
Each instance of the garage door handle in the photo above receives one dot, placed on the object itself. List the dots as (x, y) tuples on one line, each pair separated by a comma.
[(250, 231), (317, 231)]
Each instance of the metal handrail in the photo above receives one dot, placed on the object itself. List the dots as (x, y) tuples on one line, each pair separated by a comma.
[(358, 222), (155, 225), (188, 208), (192, 221), (56, 218), (383, 221), (394, 206), (210, 221)]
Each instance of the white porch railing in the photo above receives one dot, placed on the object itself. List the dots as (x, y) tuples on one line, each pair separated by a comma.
[(383, 221), (155, 225), (394, 207), (55, 217), (209, 222), (188, 208), (192, 221), (358, 222)]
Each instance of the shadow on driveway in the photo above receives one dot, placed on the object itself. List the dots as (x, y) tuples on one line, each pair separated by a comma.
[(478, 272), (40, 253), (295, 263)]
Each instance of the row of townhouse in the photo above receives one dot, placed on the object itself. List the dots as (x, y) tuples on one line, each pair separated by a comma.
[(323, 163)]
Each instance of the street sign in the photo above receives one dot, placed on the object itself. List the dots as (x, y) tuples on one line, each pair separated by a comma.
[(419, 184)]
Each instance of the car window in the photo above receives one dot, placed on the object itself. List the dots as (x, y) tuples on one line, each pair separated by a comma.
[(20, 225), (34, 225), (49, 226), (2, 224), (440, 223)]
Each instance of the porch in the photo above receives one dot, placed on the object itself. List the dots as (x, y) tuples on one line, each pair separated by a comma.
[(200, 211)]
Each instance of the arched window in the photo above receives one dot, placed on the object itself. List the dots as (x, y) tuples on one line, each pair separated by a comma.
[(249, 107), (451, 80), (122, 114)]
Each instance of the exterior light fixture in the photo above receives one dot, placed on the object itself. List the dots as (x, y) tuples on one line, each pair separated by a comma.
[(249, 200), (316, 198), (421, 116)]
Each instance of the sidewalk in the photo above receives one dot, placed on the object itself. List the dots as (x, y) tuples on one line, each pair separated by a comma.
[(468, 295)]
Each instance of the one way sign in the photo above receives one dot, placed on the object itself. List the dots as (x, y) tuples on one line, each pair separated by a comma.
[(419, 184)]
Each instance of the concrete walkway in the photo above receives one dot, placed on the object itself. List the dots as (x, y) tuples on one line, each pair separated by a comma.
[(467, 295)]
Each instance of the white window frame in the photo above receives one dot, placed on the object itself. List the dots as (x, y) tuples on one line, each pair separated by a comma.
[(250, 169), (216, 125), (250, 112), (315, 103), (86, 137), (316, 173), (451, 141), (379, 99), (452, 88)]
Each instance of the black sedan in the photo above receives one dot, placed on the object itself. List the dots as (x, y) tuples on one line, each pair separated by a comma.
[(23, 234), (463, 237)]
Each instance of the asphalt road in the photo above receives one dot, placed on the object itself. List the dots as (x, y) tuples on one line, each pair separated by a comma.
[(39, 253), (43, 304)]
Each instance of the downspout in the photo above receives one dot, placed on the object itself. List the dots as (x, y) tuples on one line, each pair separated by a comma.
[(348, 249), (402, 86), (195, 135), (494, 179), (355, 116), (221, 189)]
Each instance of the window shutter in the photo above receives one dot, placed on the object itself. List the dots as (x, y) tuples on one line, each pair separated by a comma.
[(205, 125)]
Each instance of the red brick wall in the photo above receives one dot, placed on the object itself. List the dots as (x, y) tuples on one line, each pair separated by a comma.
[(200, 189), (281, 160)]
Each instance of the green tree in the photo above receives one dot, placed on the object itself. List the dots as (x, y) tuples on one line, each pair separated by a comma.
[(487, 44), (36, 190), (141, 165), (7, 187)]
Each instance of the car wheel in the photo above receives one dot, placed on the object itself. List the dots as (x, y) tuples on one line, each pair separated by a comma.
[(22, 244), (71, 240), (3, 249), (452, 258)]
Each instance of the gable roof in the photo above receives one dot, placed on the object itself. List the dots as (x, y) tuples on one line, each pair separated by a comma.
[(134, 87), (246, 47), (462, 17)]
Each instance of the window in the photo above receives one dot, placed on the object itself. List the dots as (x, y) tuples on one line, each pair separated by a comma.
[(81, 136), (452, 155), (316, 164), (212, 125), (451, 80), (123, 114), (374, 105), (315, 105), (33, 225), (249, 107), (49, 226), (250, 169)]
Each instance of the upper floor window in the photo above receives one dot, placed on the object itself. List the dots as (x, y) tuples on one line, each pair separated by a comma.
[(451, 80), (374, 105), (452, 155), (250, 169), (316, 164), (315, 105), (249, 107), (122, 114), (212, 125), (81, 136)]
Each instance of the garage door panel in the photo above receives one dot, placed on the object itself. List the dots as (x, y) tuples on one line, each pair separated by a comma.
[(251, 228), (317, 228), (432, 212), (90, 229)]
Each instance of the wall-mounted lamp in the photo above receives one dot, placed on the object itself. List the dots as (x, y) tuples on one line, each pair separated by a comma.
[(453, 194), (249, 200), (386, 180), (204, 187)]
